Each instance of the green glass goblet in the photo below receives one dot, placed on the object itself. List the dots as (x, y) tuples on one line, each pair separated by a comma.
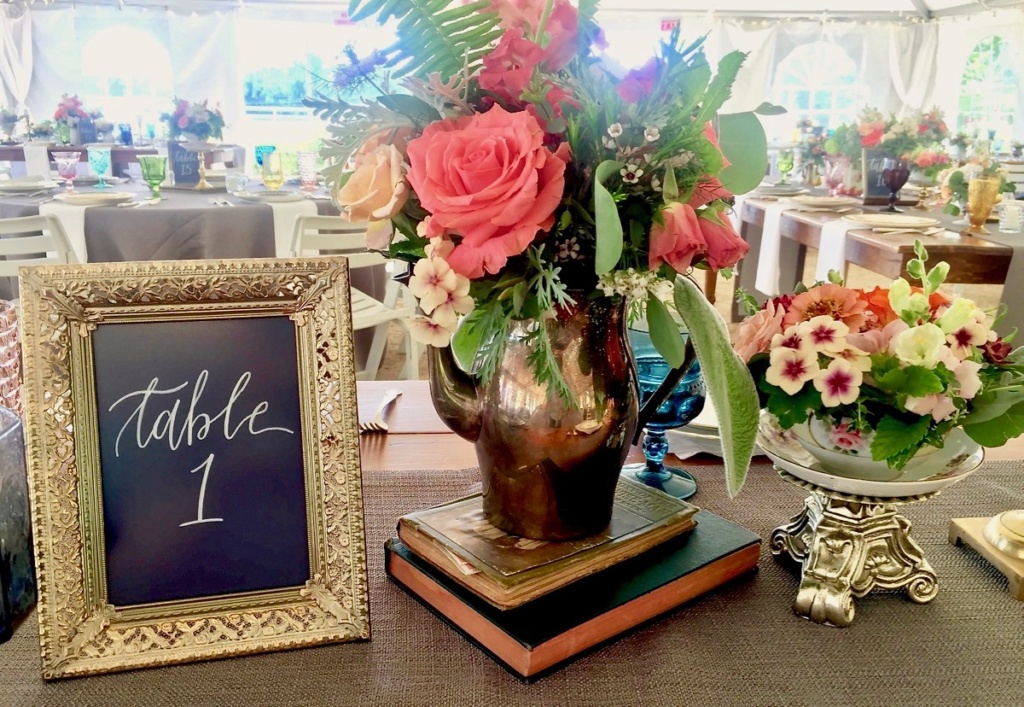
[(154, 171)]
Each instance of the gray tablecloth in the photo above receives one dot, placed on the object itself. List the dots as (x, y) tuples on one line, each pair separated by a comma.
[(740, 645)]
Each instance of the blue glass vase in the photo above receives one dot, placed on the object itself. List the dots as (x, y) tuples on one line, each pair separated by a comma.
[(17, 571), (683, 404)]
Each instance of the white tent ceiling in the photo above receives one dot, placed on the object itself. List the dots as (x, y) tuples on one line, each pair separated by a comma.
[(889, 10)]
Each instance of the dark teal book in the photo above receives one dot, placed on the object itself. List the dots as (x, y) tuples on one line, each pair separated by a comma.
[(546, 633)]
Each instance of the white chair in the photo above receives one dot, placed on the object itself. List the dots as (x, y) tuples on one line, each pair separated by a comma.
[(47, 244), (314, 235)]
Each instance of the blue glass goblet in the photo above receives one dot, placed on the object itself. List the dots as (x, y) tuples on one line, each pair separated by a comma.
[(683, 404), (99, 161)]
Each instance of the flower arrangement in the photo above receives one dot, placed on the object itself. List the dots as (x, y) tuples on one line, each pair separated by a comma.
[(42, 129), (960, 141), (845, 141), (194, 121), (953, 182), (901, 137), (70, 111), (8, 116), (522, 171), (930, 161), (812, 150), (907, 364)]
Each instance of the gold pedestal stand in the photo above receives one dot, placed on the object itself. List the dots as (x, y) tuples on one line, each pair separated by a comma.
[(1000, 540), (202, 184), (849, 545)]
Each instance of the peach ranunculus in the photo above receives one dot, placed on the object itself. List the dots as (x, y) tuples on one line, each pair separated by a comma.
[(755, 333), (678, 241), (725, 248), (377, 189), (836, 301), (488, 178)]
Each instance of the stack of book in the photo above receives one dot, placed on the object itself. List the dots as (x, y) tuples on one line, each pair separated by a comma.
[(535, 605)]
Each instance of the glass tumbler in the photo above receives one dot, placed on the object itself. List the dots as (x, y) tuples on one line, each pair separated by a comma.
[(307, 171)]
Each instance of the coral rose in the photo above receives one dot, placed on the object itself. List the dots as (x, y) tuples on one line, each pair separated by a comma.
[(725, 248), (489, 179), (377, 189), (678, 241)]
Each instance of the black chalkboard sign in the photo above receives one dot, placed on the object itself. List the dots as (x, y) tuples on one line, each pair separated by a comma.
[(200, 458), (86, 132), (184, 164), (875, 191)]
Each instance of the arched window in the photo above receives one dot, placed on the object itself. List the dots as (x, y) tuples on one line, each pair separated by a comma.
[(816, 82), (125, 87), (988, 91)]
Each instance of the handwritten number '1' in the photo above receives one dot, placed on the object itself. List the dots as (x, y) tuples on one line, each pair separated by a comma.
[(206, 465)]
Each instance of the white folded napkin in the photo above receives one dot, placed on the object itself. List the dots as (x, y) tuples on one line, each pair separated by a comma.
[(767, 281), (72, 218), (37, 160), (832, 248), (285, 213)]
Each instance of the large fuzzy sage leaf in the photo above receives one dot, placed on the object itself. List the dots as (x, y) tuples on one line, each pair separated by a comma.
[(664, 332), (728, 381), (606, 214)]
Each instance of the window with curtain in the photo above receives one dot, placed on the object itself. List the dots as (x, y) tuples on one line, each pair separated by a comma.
[(121, 87), (815, 82), (988, 91)]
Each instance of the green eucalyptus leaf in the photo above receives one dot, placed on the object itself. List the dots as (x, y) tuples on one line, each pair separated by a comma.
[(767, 108), (743, 142), (609, 226), (664, 332), (728, 381)]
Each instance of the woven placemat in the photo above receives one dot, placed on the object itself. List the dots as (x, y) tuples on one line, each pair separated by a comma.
[(741, 645)]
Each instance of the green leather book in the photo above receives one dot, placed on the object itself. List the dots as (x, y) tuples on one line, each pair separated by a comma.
[(547, 632)]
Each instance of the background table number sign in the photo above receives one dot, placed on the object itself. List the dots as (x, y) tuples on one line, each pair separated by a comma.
[(191, 427), (184, 164)]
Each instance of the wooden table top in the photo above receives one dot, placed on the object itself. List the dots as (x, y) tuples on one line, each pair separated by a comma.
[(972, 260), (119, 154), (419, 440)]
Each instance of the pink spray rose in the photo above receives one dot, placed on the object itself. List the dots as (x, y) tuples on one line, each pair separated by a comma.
[(488, 178), (678, 240), (725, 248), (755, 333)]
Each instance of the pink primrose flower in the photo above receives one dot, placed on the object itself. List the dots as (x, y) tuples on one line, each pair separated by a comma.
[(789, 369), (839, 383)]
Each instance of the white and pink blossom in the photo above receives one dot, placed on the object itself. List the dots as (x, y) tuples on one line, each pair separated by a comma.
[(839, 384), (427, 331), (824, 333), (938, 406), (431, 282), (790, 368), (967, 376), (791, 338)]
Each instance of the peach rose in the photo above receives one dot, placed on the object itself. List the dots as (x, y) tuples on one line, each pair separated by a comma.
[(725, 248), (678, 240), (377, 189), (756, 331), (489, 179)]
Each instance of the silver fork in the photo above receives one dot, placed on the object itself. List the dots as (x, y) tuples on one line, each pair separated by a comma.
[(377, 424)]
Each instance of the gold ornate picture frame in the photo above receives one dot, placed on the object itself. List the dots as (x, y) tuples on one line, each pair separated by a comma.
[(145, 557)]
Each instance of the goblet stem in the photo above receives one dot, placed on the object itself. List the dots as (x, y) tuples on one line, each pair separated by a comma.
[(654, 473)]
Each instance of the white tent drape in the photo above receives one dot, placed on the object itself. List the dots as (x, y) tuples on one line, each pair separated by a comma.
[(912, 52), (15, 55)]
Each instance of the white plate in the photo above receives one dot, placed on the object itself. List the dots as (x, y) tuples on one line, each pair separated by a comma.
[(94, 198), (953, 463), (823, 202), (892, 220), (26, 186), (271, 196)]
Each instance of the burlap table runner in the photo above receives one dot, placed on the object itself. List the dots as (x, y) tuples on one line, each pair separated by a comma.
[(741, 645)]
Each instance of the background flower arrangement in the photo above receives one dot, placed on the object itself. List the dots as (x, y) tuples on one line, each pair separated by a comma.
[(70, 111), (906, 364), (194, 120), (901, 137)]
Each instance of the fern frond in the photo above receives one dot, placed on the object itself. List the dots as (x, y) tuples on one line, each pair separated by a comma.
[(432, 38)]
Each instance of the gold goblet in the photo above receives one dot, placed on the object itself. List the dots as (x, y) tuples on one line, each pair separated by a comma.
[(982, 193)]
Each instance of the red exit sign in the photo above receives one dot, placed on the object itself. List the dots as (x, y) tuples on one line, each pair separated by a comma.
[(342, 18), (669, 25)]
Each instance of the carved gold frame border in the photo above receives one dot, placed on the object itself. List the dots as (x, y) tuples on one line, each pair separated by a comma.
[(80, 632)]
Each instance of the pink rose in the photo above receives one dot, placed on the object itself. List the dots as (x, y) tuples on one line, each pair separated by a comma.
[(707, 191), (488, 178), (725, 248), (638, 83), (678, 240), (755, 332), (509, 67), (377, 189), (183, 122)]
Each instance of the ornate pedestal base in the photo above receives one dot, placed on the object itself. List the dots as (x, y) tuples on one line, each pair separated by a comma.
[(849, 545)]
